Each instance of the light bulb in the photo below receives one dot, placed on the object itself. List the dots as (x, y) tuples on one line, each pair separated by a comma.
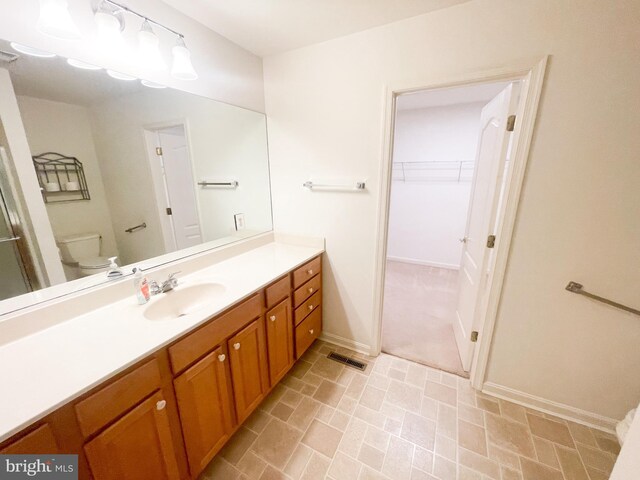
[(34, 52), (182, 68), (55, 20), (148, 44)]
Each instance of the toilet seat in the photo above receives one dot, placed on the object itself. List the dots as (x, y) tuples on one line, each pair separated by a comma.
[(95, 263)]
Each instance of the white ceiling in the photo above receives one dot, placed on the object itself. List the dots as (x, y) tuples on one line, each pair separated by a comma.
[(450, 96), (267, 27)]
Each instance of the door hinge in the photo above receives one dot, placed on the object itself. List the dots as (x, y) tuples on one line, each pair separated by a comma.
[(491, 241), (159, 151), (511, 123), (474, 336), (169, 212)]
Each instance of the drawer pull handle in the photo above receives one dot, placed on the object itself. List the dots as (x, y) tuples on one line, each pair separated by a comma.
[(236, 346), (272, 318), (221, 357), (310, 290), (311, 331), (310, 307), (310, 272), (160, 404)]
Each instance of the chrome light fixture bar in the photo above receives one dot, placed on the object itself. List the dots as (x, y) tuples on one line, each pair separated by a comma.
[(182, 68)]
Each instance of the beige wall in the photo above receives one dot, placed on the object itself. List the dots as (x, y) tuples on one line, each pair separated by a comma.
[(578, 217), (64, 128), (227, 72)]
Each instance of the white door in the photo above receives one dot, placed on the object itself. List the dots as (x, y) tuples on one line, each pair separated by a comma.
[(180, 187), (491, 155)]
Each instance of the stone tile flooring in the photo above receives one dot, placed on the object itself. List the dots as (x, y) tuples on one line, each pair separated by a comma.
[(402, 420)]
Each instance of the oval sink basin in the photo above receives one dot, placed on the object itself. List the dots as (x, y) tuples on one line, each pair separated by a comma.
[(182, 301)]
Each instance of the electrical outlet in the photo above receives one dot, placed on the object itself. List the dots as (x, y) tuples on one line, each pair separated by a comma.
[(238, 218)]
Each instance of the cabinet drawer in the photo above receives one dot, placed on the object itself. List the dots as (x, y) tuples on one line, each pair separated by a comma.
[(107, 404), (306, 271), (308, 306), (278, 291), (202, 341), (306, 290), (308, 331)]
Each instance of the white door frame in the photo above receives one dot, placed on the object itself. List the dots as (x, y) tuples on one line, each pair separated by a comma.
[(532, 73)]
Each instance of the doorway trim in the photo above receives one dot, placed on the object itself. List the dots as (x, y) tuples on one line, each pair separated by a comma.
[(531, 72)]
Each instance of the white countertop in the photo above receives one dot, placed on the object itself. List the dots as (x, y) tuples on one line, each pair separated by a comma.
[(42, 371)]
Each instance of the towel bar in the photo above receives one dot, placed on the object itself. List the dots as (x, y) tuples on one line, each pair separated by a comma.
[(575, 287)]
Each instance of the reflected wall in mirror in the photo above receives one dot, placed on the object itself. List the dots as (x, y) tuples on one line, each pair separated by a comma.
[(96, 167)]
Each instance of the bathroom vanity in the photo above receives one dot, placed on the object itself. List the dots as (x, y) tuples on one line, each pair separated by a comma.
[(161, 404)]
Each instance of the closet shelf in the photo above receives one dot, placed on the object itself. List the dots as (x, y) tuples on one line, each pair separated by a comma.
[(433, 171)]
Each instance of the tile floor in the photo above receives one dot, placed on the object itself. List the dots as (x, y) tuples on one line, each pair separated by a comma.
[(417, 319), (400, 420)]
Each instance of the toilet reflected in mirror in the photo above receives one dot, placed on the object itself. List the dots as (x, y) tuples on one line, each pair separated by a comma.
[(80, 255)]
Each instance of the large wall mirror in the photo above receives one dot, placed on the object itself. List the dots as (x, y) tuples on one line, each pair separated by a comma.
[(95, 164)]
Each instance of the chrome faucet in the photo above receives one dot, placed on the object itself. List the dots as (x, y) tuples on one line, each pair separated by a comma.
[(169, 284)]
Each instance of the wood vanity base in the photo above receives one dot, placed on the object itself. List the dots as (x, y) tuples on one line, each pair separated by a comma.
[(167, 416)]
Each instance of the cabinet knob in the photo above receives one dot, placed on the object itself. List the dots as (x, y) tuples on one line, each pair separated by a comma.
[(160, 404), (310, 272), (221, 357), (310, 289), (311, 331), (310, 307), (272, 318), (236, 346)]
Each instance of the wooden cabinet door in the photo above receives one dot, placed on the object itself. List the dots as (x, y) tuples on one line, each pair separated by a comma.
[(136, 447), (204, 402), (40, 441), (279, 340), (249, 373)]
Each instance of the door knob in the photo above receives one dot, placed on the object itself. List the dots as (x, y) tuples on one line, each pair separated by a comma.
[(236, 346), (221, 357), (160, 404), (464, 239), (272, 318)]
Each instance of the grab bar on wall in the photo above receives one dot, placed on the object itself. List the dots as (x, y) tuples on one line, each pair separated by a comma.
[(143, 225), (359, 186), (575, 287), (204, 183)]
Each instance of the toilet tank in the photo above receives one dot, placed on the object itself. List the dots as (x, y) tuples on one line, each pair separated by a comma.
[(74, 248)]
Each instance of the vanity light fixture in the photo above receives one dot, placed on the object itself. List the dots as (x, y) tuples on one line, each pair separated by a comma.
[(110, 22), (55, 20), (83, 65), (182, 67), (34, 52), (149, 84), (120, 76), (148, 44)]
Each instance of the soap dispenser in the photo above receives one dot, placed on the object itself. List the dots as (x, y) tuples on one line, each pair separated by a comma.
[(141, 286), (114, 270)]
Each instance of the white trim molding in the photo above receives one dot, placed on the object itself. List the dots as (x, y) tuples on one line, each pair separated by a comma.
[(561, 410), (347, 343), (425, 263)]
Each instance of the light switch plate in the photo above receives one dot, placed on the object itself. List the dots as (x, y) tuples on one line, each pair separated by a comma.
[(238, 218)]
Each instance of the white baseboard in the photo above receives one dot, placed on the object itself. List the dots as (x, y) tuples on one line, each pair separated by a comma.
[(346, 343), (561, 410), (426, 263)]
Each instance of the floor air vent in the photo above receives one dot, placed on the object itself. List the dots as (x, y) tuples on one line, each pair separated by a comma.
[(347, 361)]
